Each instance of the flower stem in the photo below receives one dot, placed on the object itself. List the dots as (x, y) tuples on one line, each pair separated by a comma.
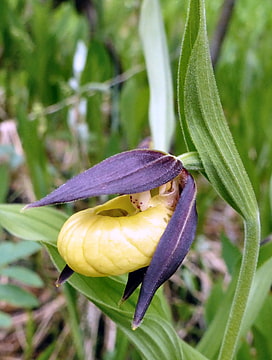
[(245, 280), (191, 161)]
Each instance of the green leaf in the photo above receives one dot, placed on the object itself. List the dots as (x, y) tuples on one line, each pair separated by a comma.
[(5, 320), (258, 295), (11, 252), (230, 253), (155, 338), (262, 345), (262, 330), (161, 107), (215, 332), (265, 253), (50, 349), (201, 112), (34, 149), (134, 109), (16, 296), (23, 275), (213, 303), (245, 351), (202, 118), (36, 224)]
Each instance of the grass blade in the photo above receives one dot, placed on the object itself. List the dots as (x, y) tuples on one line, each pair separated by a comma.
[(161, 107)]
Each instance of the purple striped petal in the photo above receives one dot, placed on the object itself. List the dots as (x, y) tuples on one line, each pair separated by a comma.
[(171, 250), (125, 173)]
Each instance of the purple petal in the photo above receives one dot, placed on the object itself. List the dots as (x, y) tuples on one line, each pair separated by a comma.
[(125, 173), (134, 280), (64, 275), (171, 250)]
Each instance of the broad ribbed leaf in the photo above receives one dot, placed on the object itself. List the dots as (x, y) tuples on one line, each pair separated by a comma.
[(155, 338), (161, 106), (11, 252), (125, 173), (37, 224), (23, 275), (16, 296), (172, 248)]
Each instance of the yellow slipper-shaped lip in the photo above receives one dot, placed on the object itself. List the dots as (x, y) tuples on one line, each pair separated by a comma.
[(114, 238)]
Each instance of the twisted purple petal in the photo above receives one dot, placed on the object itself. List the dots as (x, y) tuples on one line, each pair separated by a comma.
[(171, 250)]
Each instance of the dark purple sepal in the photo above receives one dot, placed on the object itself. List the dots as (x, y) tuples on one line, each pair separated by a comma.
[(135, 278), (171, 250), (125, 173), (145, 143), (64, 275)]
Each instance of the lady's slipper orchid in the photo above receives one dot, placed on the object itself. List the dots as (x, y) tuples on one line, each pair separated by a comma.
[(146, 232)]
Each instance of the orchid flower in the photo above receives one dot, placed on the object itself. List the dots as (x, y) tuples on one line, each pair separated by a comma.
[(146, 231)]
